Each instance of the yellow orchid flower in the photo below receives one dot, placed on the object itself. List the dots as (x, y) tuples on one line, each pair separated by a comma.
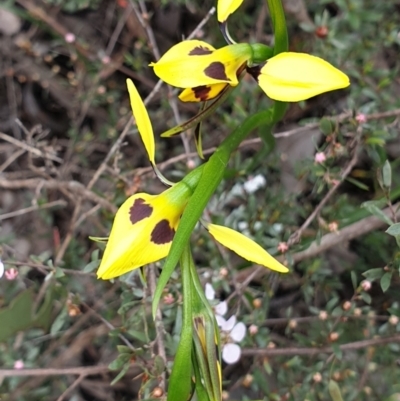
[(198, 65), (204, 72), (145, 225), (144, 228)]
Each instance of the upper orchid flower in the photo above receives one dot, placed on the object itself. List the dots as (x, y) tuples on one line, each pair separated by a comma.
[(145, 225), (204, 72)]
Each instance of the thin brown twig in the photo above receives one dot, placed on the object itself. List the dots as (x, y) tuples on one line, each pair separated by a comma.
[(45, 269), (28, 148), (79, 370), (76, 382), (295, 237), (310, 351), (328, 241), (30, 209), (348, 233), (72, 186)]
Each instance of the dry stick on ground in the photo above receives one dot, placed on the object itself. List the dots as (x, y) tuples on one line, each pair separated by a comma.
[(30, 209), (28, 148), (310, 351), (79, 370), (71, 186)]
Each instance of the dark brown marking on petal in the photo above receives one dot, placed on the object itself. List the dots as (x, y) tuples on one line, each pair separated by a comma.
[(255, 71), (162, 233), (216, 70), (139, 211), (201, 92), (200, 51)]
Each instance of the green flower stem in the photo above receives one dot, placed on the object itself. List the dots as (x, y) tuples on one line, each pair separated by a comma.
[(208, 357), (180, 384), (213, 173), (279, 26)]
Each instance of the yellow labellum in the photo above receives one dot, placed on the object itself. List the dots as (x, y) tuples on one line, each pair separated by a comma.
[(227, 7), (291, 77), (245, 247), (142, 231), (142, 120)]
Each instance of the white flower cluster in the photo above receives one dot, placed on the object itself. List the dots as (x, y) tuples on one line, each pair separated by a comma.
[(232, 332)]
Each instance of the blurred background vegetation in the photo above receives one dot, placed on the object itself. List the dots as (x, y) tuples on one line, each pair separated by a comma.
[(69, 157)]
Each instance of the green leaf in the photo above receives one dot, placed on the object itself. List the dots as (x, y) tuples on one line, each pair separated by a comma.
[(121, 374), (387, 175), (373, 209), (358, 184), (373, 274), (59, 321), (94, 264), (386, 280), (326, 126), (337, 351), (366, 298), (159, 365), (334, 391), (394, 230), (353, 279), (18, 316), (121, 360)]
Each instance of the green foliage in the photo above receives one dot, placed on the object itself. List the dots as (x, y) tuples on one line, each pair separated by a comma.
[(342, 296)]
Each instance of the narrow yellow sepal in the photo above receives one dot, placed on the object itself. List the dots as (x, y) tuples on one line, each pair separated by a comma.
[(291, 77), (245, 247), (142, 120), (227, 7)]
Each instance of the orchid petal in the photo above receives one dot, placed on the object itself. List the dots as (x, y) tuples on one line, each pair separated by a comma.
[(245, 247), (201, 93), (194, 63), (142, 120), (227, 7), (291, 77)]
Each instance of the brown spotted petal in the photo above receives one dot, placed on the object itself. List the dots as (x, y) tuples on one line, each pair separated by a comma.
[(194, 63), (201, 93), (143, 230)]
